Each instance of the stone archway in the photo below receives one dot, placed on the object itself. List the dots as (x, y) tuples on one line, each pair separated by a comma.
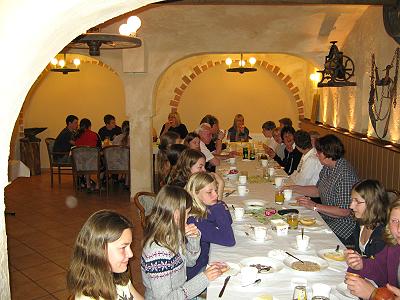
[(274, 69)]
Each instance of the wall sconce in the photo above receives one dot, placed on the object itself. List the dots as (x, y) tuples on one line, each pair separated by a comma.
[(315, 77)]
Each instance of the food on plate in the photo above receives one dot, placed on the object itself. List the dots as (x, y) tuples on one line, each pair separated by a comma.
[(264, 297), (233, 171), (335, 255), (307, 221), (261, 268), (270, 211), (307, 266), (295, 203)]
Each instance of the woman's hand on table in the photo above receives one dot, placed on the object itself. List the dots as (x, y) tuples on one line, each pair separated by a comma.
[(213, 272), (358, 286), (353, 259), (191, 230), (305, 202)]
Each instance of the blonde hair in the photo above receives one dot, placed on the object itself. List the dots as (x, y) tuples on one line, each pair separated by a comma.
[(387, 235), (235, 120), (90, 272), (176, 116), (161, 227), (196, 183)]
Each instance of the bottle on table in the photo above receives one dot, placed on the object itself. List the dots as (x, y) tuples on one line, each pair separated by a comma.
[(245, 152)]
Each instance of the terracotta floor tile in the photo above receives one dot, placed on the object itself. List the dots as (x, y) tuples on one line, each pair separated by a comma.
[(54, 283), (20, 250), (27, 291), (28, 261), (42, 271), (62, 295)]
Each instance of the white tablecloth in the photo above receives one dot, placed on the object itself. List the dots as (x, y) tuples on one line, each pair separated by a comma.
[(276, 284)]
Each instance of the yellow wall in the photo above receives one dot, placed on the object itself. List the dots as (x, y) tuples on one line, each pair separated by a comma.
[(90, 93), (260, 96), (347, 107)]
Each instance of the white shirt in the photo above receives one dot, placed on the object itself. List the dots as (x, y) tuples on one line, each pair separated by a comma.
[(203, 148), (308, 170), (123, 292), (271, 143)]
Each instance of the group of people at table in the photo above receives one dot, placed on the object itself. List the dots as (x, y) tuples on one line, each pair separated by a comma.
[(82, 135), (189, 214)]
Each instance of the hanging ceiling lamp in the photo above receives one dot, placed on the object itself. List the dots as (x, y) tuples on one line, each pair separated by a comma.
[(242, 65), (94, 39), (62, 65)]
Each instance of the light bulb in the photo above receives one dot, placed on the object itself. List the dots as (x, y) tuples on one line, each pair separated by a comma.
[(77, 62), (124, 29), (228, 61), (242, 63), (134, 23), (315, 77), (61, 63), (54, 61), (252, 60)]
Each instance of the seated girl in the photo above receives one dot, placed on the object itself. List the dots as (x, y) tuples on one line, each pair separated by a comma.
[(192, 140), (170, 245), (189, 162), (369, 202), (238, 132), (383, 269), (210, 216), (99, 265)]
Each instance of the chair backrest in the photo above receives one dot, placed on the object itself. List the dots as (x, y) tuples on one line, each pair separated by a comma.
[(85, 159), (144, 202), (393, 195), (116, 158), (50, 145)]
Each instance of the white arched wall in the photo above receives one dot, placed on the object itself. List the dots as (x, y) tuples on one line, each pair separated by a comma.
[(33, 36)]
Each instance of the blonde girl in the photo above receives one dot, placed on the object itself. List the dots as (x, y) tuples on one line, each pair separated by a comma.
[(383, 269), (174, 124), (210, 216), (99, 265), (169, 246), (238, 132)]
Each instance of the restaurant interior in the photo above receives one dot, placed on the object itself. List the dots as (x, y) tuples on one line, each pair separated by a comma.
[(179, 67)]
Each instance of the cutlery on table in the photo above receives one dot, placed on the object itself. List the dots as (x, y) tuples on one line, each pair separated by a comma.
[(302, 233), (255, 282), (337, 248), (294, 257), (224, 286), (229, 193), (233, 207)]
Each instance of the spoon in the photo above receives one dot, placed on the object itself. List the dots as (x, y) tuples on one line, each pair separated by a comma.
[(234, 210), (337, 248), (294, 257), (255, 282), (302, 234)]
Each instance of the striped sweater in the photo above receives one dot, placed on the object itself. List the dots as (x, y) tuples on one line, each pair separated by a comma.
[(164, 272)]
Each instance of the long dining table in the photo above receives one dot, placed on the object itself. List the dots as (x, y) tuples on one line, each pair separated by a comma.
[(278, 284)]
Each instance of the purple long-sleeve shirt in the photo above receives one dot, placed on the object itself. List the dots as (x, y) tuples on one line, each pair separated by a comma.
[(383, 268), (217, 229)]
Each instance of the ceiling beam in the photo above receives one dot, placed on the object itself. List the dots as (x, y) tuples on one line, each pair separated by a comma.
[(283, 2)]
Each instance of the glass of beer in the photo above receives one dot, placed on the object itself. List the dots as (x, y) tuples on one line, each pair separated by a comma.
[(279, 197), (292, 220)]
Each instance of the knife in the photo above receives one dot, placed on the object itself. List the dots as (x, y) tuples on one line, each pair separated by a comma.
[(223, 288), (229, 193)]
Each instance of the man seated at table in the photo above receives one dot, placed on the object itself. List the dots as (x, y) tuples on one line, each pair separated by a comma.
[(307, 172), (292, 155), (110, 130), (204, 132), (267, 129), (215, 144), (65, 140), (285, 122)]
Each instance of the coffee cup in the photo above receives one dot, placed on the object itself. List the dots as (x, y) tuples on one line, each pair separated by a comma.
[(302, 242), (242, 190), (232, 160), (271, 171), (260, 233), (242, 179), (278, 181), (239, 213), (321, 290), (288, 194), (282, 229), (248, 275), (264, 163)]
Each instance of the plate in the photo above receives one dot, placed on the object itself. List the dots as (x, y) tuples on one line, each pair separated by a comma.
[(331, 255), (254, 204), (293, 204), (294, 247), (316, 226), (275, 265), (342, 290), (234, 269), (323, 264)]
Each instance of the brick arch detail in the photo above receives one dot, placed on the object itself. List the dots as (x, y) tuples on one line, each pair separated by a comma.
[(199, 69)]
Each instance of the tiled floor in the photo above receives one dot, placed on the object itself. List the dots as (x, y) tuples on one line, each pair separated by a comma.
[(41, 234)]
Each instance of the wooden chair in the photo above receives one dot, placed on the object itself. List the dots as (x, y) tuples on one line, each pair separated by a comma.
[(55, 166), (85, 161), (117, 161), (144, 202)]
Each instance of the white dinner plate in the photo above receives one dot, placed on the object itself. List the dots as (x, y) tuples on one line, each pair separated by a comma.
[(254, 204), (341, 288), (275, 265), (340, 255), (323, 264), (234, 269)]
